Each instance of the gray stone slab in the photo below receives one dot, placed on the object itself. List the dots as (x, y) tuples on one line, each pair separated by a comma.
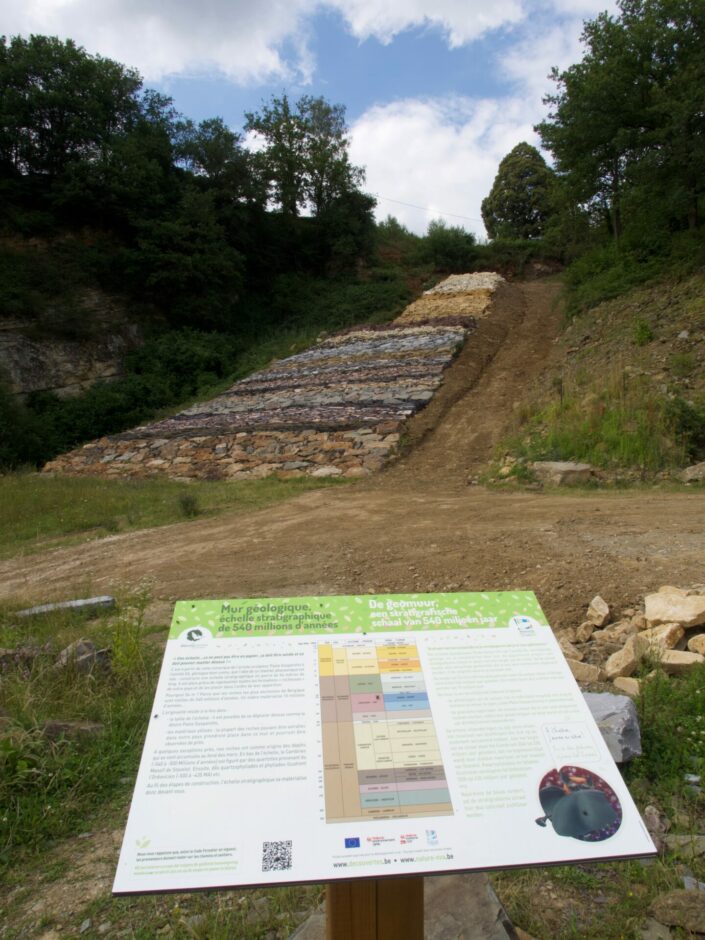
[(457, 907), (87, 604), (618, 722)]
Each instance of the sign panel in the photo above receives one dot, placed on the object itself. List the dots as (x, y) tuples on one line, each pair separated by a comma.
[(321, 738)]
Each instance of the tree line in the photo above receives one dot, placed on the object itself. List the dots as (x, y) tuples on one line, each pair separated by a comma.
[(626, 130), (197, 216)]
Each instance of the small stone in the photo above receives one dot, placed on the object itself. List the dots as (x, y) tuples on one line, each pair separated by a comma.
[(327, 471), (584, 631), (685, 845), (619, 631), (563, 472), (86, 925), (692, 884), (104, 927), (522, 934), (585, 672), (680, 908), (669, 607), (570, 651), (626, 684), (625, 661), (657, 824), (56, 728), (83, 656), (694, 473), (652, 930), (598, 612), (696, 644), (639, 621), (677, 662), (261, 905), (664, 637)]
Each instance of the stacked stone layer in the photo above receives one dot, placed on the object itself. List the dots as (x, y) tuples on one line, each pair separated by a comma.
[(336, 409)]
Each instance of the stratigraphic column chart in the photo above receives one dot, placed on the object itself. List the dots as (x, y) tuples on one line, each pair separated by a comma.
[(380, 751)]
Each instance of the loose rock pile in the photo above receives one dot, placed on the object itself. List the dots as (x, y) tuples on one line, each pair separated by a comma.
[(670, 629), (336, 409)]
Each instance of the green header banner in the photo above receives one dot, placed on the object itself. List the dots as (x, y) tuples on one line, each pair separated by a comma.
[(364, 613)]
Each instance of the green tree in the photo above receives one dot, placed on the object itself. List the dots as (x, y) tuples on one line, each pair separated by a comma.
[(59, 105), (627, 126), (282, 158), (305, 153), (186, 266), (520, 201)]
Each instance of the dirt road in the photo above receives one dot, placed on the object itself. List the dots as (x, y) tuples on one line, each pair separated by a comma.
[(418, 526)]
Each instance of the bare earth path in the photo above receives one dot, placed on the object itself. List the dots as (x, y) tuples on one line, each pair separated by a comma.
[(417, 526)]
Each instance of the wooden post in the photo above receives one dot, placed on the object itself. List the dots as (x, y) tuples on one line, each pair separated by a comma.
[(384, 909)]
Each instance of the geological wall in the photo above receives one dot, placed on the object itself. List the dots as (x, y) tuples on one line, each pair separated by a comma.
[(336, 409)]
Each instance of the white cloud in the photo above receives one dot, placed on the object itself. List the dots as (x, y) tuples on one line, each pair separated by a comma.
[(240, 39), (244, 40), (460, 20), (438, 154), (528, 61)]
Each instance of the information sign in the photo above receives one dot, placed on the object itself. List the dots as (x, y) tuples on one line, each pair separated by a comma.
[(310, 739)]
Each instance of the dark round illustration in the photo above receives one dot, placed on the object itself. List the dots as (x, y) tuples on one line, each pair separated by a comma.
[(579, 804)]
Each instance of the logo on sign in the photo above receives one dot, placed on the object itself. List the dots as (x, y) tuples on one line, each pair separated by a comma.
[(352, 843), (525, 625), (431, 837)]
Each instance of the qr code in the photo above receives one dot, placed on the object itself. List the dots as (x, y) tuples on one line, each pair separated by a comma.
[(276, 856)]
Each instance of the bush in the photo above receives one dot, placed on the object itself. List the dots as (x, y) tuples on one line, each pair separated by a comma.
[(449, 247), (688, 422), (22, 438)]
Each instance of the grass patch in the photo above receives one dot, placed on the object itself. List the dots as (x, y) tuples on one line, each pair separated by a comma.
[(672, 719), (38, 512), (47, 787), (620, 421)]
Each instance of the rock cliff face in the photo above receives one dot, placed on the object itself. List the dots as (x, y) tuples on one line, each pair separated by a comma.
[(337, 409), (68, 366)]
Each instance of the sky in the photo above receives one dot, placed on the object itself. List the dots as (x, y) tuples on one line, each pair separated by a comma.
[(437, 92)]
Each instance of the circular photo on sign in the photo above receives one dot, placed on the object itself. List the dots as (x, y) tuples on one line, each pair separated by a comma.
[(579, 804)]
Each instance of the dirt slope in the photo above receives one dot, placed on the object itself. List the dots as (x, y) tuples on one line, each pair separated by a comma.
[(418, 525)]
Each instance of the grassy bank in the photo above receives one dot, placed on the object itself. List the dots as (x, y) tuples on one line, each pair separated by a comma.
[(39, 512), (628, 387)]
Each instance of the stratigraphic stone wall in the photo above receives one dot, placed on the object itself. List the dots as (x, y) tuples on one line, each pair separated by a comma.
[(336, 409)]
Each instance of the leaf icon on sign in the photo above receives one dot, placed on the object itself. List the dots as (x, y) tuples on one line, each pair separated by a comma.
[(142, 843)]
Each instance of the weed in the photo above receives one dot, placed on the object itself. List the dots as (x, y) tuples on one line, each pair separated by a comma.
[(682, 364), (189, 506), (642, 332)]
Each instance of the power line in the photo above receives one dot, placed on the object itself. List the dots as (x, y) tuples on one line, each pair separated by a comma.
[(411, 205)]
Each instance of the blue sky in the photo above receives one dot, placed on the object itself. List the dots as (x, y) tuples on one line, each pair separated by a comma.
[(436, 91)]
